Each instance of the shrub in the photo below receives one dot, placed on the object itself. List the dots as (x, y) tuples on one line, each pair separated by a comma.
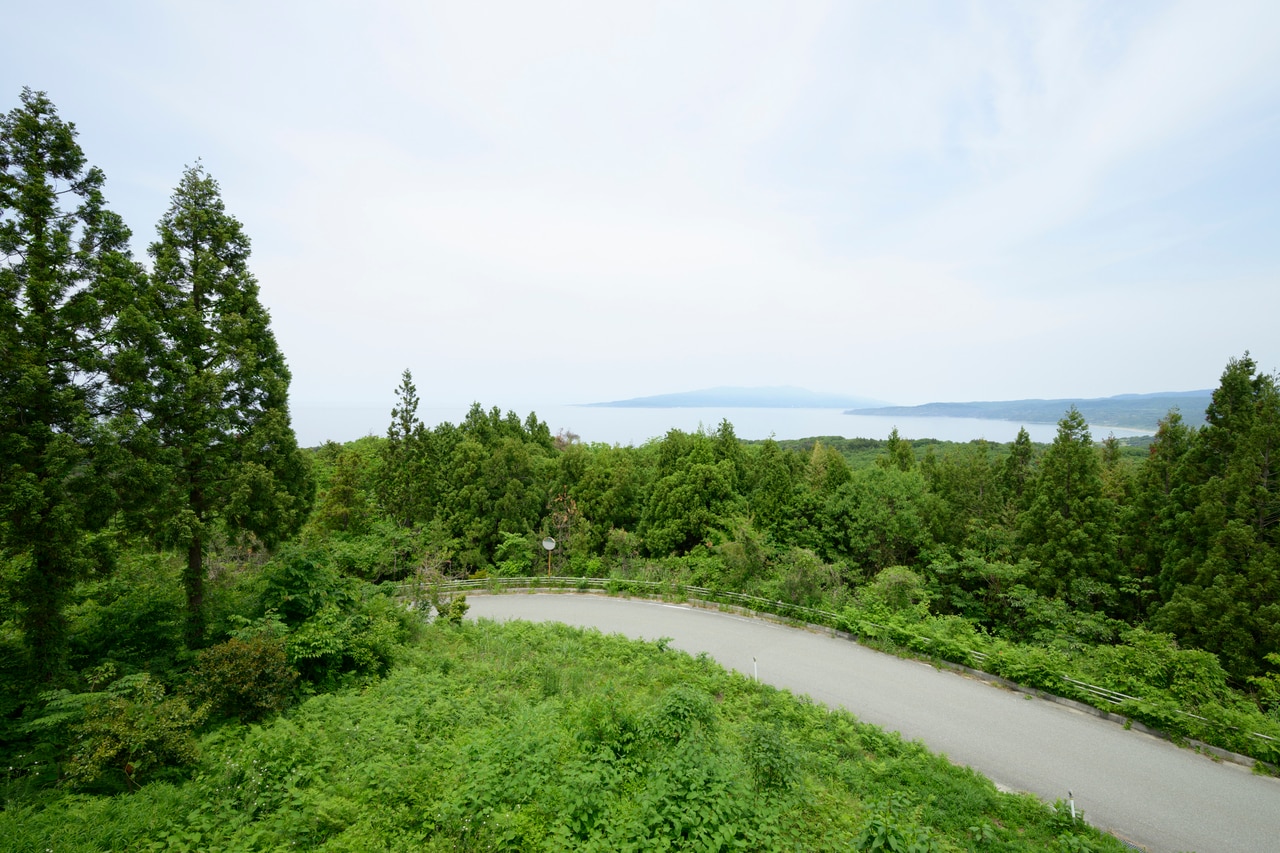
[(683, 711), (1031, 666), (771, 758), (361, 639), (800, 577), (897, 588), (299, 583), (516, 555), (1147, 662), (247, 678), (133, 728), (132, 616), (452, 610), (1268, 687), (888, 831)]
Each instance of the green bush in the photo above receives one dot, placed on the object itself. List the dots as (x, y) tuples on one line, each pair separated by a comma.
[(884, 832), (132, 616), (897, 589), (132, 729), (1151, 665), (1268, 687), (1031, 666), (516, 555), (300, 582), (452, 610), (247, 678), (771, 758), (584, 566), (685, 711), (361, 639), (800, 577)]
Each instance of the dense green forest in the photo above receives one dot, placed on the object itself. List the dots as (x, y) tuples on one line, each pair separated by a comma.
[(1072, 542), (183, 589)]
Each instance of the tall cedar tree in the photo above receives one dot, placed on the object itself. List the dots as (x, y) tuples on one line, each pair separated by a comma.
[(70, 357), (1221, 562), (1070, 526), (404, 476), (221, 391)]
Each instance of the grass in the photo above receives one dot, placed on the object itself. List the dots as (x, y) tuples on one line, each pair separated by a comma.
[(516, 736)]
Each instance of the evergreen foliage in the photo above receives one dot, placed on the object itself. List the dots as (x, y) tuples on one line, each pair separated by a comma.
[(71, 339), (404, 484), (220, 408), (1220, 574), (164, 580), (1069, 527)]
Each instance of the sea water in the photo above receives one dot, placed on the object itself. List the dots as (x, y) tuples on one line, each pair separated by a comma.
[(317, 423)]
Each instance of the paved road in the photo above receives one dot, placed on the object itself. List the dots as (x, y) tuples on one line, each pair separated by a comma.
[(1142, 788)]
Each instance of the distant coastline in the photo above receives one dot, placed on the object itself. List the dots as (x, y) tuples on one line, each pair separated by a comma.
[(1127, 411), (1130, 411)]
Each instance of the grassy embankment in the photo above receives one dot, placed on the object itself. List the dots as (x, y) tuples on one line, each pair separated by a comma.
[(523, 737)]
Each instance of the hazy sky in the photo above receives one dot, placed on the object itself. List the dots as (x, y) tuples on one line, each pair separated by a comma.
[(539, 203)]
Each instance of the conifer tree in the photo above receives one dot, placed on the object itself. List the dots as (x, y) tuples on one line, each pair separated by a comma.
[(220, 408), (898, 453), (344, 505), (1070, 527), (70, 357), (402, 482), (1151, 519), (1019, 470), (1220, 572), (772, 488)]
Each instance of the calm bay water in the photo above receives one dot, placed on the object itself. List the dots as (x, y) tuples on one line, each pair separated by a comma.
[(317, 423)]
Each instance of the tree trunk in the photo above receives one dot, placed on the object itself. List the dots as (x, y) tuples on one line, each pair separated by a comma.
[(193, 580), (43, 593)]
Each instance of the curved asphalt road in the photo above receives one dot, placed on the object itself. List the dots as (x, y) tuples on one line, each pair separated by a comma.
[(1142, 788)]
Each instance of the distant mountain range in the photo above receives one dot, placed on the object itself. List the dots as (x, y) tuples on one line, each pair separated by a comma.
[(1129, 411), (776, 397)]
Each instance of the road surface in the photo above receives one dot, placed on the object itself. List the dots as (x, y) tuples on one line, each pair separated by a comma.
[(1145, 790)]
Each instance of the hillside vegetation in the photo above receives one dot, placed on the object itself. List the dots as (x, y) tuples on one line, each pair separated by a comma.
[(523, 737), (200, 644)]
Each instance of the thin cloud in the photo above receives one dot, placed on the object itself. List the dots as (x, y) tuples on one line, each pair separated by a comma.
[(907, 201)]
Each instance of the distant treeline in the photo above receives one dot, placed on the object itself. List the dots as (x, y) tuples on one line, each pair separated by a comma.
[(1022, 539)]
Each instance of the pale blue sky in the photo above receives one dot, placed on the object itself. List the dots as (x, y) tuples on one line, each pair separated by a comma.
[(532, 204)]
